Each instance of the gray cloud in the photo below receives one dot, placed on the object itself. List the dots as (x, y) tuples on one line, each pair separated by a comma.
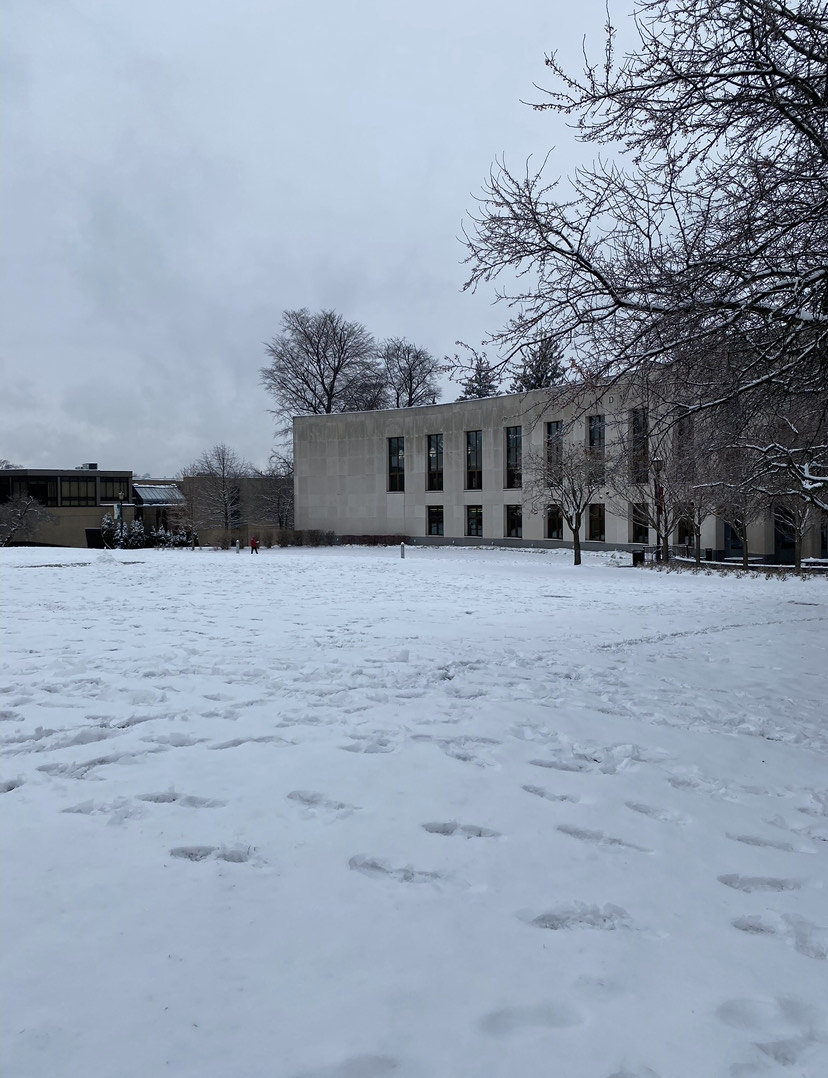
[(181, 173)]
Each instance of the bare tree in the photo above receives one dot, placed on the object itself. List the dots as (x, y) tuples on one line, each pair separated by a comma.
[(795, 517), (567, 478), (273, 498), (706, 252), (20, 518), (410, 372), (211, 489), (321, 363)]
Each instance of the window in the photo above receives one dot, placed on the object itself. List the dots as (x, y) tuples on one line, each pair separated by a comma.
[(112, 486), (514, 457), (596, 523), (474, 520), (554, 445), (434, 475), (435, 520), (596, 442), (514, 521), (396, 464), (474, 460), (78, 492), (43, 490), (639, 448), (640, 523), (686, 528), (554, 522)]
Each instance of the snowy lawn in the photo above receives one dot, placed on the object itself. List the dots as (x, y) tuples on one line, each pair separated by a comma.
[(471, 814)]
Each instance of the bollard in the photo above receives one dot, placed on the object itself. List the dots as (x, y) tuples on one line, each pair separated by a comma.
[(402, 550), (238, 546)]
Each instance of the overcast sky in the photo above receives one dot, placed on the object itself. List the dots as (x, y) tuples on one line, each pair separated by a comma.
[(176, 173)]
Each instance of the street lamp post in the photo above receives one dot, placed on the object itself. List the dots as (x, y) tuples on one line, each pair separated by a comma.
[(658, 495), (121, 497)]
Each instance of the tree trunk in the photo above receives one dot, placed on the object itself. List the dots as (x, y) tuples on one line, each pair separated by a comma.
[(665, 547), (697, 535), (745, 562), (576, 543), (798, 552)]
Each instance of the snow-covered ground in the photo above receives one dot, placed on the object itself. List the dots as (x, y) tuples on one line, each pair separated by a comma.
[(470, 814)]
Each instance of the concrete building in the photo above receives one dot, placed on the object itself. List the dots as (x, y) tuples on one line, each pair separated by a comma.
[(457, 473)]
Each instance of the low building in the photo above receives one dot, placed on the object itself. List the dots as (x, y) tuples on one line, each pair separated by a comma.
[(459, 473), (76, 500)]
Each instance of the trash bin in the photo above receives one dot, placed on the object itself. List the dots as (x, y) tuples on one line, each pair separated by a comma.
[(638, 557), (708, 553)]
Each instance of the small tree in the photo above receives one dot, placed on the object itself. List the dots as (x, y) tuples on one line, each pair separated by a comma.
[(211, 490), (108, 531), (483, 379), (20, 518), (568, 479), (741, 492), (410, 372), (273, 500)]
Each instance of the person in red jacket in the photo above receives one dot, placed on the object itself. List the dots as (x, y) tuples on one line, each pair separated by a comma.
[(254, 544)]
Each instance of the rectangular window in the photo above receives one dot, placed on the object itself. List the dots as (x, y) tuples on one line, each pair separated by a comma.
[(78, 492), (396, 464), (514, 457), (474, 520), (554, 523), (596, 442), (514, 521), (639, 444), (554, 446), (434, 475), (435, 520), (43, 490), (474, 460), (596, 523), (112, 487), (640, 523)]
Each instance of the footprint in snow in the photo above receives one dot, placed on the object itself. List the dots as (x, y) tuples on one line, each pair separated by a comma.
[(378, 869), (607, 918), (539, 791), (749, 884), (791, 1024), (663, 815), (598, 838), (169, 797), (312, 800), (8, 785), (237, 855), (370, 745), (540, 1016), (756, 840), (460, 830), (807, 939), (370, 1066)]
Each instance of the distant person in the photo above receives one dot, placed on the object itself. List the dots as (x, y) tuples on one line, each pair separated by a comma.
[(254, 544)]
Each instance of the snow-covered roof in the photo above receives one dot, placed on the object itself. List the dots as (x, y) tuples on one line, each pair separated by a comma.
[(158, 494)]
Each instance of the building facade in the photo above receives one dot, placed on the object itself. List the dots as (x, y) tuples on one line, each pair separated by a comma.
[(76, 500), (461, 473)]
